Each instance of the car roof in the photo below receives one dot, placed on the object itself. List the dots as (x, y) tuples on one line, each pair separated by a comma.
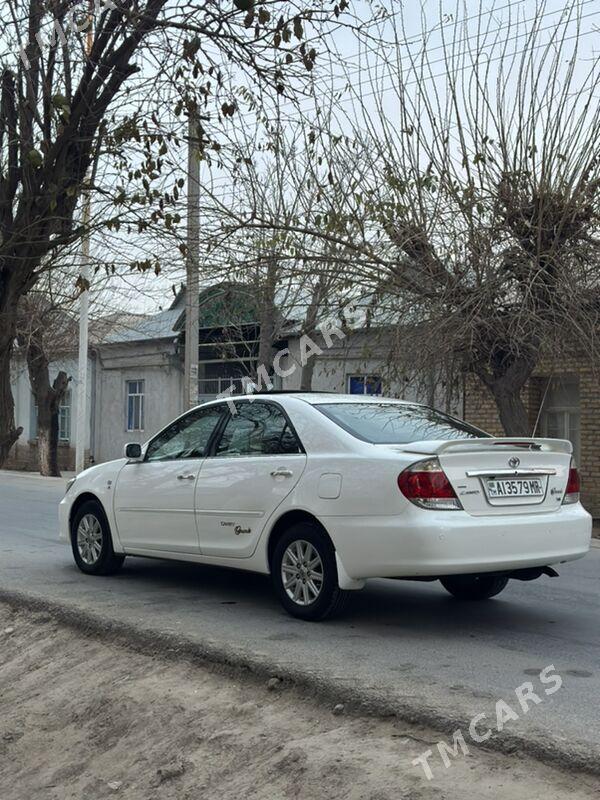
[(318, 398)]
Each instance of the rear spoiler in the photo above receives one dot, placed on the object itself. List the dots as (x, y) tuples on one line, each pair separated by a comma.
[(438, 447)]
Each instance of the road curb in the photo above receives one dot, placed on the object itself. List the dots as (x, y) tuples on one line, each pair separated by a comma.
[(16, 473), (369, 702)]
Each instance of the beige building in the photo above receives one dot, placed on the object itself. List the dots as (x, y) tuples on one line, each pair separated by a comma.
[(563, 402)]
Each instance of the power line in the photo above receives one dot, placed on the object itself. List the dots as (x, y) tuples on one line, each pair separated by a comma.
[(491, 44), (383, 89), (439, 26)]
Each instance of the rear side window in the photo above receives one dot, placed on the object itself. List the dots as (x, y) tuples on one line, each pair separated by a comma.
[(257, 429), (393, 423)]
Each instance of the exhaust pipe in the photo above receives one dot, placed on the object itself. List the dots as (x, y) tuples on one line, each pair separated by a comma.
[(551, 573), (532, 573)]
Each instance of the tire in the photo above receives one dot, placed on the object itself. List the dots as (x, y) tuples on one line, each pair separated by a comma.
[(91, 541), (308, 539), (474, 587)]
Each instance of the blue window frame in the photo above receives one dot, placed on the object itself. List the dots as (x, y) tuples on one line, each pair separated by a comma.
[(365, 384)]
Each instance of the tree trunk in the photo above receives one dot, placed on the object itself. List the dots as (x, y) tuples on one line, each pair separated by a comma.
[(506, 383), (48, 397), (310, 328), (47, 448), (512, 411), (267, 331), (267, 317), (47, 425), (306, 375), (8, 432)]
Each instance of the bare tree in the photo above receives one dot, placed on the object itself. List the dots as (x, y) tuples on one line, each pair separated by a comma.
[(473, 167), (64, 115), (257, 233)]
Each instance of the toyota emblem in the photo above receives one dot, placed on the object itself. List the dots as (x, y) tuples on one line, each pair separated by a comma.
[(514, 462)]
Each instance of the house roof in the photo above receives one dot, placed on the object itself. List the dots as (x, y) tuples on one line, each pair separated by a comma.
[(223, 305), (137, 327), (226, 304), (110, 325)]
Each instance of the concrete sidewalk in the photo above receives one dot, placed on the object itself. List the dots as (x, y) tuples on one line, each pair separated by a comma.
[(15, 473)]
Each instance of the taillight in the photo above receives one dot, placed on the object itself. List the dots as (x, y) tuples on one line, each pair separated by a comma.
[(426, 485), (573, 486)]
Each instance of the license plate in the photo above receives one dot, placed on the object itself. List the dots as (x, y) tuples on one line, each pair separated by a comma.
[(514, 487)]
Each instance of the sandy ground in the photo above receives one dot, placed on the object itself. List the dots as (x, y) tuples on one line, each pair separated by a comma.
[(89, 719)]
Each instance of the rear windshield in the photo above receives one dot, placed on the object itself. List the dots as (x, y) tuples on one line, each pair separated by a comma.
[(392, 423)]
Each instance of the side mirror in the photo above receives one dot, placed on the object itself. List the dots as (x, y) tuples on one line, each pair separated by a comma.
[(133, 451)]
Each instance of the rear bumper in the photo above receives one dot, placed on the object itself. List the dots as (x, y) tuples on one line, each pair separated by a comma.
[(422, 543)]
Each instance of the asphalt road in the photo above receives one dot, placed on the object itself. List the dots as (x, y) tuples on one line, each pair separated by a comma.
[(399, 640)]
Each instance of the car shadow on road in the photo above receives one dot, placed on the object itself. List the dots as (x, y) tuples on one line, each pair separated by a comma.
[(384, 607)]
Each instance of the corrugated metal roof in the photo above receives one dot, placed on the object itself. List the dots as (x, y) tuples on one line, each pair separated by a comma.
[(155, 326)]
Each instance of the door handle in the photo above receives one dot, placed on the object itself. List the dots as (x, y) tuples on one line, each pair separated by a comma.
[(282, 472), (186, 477)]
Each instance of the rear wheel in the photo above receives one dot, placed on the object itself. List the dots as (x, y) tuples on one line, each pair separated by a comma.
[(474, 587), (91, 541), (304, 573)]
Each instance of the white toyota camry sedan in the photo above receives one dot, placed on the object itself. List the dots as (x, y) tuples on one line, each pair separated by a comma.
[(323, 491)]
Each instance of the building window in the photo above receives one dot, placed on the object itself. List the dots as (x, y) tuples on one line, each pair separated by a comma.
[(364, 384), (561, 412), (135, 405), (64, 418)]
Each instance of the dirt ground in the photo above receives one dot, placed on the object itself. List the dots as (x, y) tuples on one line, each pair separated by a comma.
[(90, 719)]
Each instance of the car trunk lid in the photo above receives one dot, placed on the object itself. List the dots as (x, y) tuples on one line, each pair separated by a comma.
[(493, 476)]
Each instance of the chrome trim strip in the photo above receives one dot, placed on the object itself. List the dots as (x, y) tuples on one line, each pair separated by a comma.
[(209, 511), (490, 473), (220, 512), (158, 510)]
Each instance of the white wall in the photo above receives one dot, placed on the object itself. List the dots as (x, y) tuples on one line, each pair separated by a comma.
[(24, 399), (362, 353), (158, 365)]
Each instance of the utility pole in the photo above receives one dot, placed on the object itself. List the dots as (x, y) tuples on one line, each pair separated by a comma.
[(192, 267), (82, 426)]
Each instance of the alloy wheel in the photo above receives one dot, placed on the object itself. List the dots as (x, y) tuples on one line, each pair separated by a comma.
[(302, 572), (89, 539)]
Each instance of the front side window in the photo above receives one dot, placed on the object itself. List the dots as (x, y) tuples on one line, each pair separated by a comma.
[(187, 437), (395, 423), (257, 429), (135, 405)]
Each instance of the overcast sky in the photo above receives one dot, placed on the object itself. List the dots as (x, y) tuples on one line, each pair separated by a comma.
[(356, 67)]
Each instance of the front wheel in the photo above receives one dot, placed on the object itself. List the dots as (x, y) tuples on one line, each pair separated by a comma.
[(474, 587), (91, 541), (304, 573)]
